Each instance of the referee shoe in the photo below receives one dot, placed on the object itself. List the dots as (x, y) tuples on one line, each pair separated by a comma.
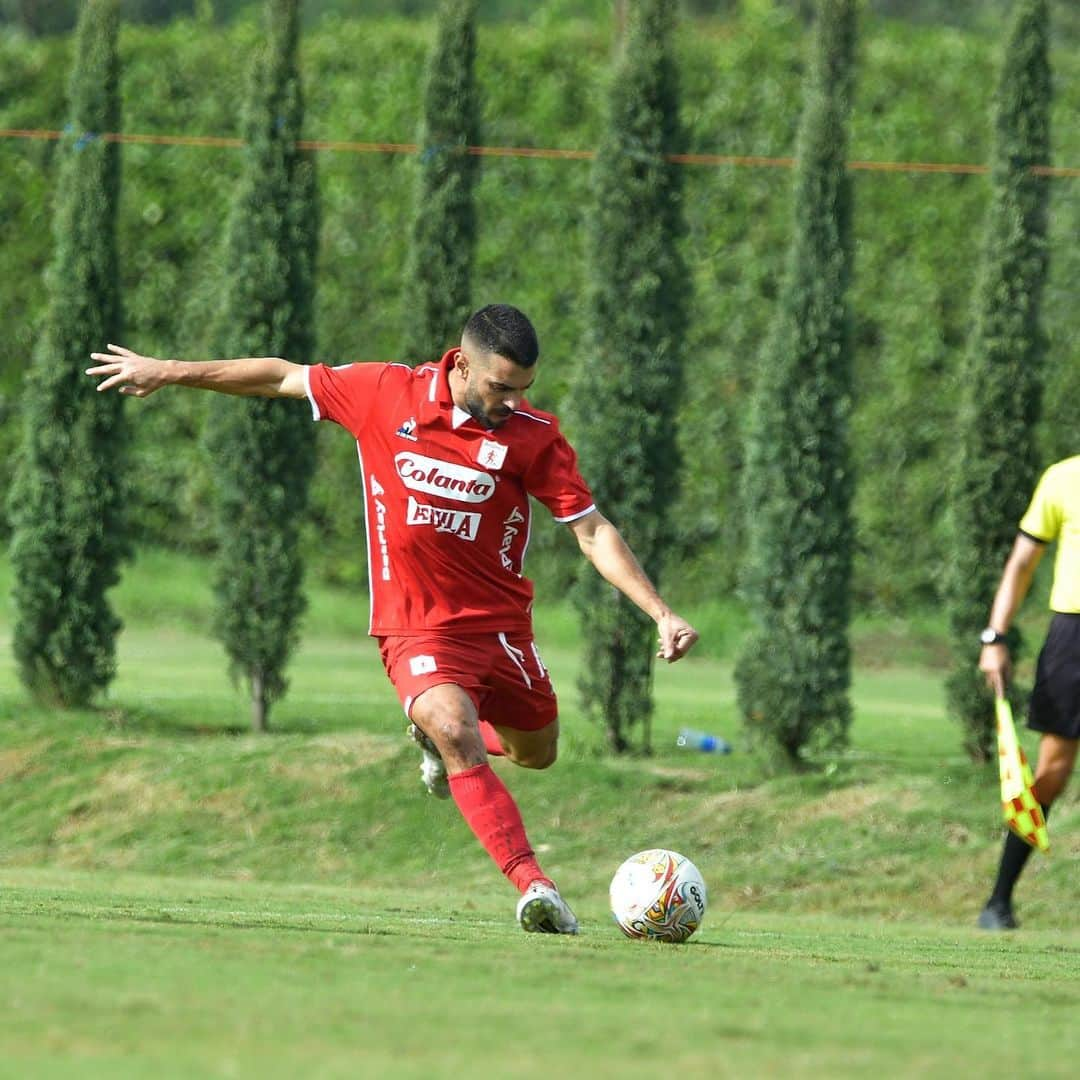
[(997, 915)]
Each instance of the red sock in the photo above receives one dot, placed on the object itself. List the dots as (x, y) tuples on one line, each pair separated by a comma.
[(490, 811), (491, 740)]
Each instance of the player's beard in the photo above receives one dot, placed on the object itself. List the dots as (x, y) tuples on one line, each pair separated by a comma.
[(474, 406)]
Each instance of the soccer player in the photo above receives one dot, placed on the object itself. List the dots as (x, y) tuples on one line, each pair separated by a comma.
[(450, 453), (1054, 514)]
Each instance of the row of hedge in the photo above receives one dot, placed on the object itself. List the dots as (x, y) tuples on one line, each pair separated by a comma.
[(922, 94)]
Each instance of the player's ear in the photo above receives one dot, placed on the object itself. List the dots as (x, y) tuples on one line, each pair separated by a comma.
[(461, 362)]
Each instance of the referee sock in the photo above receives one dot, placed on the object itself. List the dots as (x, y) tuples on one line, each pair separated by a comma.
[(490, 811), (491, 740), (1014, 857)]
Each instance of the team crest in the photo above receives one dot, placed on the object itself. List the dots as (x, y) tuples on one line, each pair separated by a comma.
[(408, 430), (491, 454)]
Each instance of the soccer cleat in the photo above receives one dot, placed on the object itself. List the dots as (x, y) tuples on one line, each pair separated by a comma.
[(432, 768), (541, 910), (997, 915)]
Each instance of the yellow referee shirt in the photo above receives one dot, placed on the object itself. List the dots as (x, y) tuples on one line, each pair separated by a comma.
[(1054, 514)]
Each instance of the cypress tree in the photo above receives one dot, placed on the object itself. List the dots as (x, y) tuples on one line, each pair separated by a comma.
[(625, 395), (794, 671), (439, 268), (264, 449), (997, 462), (68, 527)]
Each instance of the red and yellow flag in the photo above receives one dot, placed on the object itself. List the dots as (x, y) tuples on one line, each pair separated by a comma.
[(1021, 809)]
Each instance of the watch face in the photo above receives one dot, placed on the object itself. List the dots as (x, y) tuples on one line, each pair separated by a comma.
[(989, 636)]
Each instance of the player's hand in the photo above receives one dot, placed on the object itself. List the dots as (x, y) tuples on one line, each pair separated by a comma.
[(677, 637), (996, 665), (135, 375)]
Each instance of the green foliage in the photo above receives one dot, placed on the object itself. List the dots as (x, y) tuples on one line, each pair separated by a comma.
[(998, 458), (263, 449), (57, 16), (439, 274), (543, 83), (67, 499), (626, 393), (794, 672)]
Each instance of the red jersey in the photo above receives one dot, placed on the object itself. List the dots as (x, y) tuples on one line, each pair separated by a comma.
[(446, 501)]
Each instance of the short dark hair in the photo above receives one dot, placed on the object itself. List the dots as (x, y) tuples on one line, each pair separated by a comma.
[(505, 331)]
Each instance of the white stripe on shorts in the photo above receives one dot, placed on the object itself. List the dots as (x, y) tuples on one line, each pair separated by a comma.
[(517, 656), (539, 663)]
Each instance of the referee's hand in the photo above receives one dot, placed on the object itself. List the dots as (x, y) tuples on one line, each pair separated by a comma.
[(996, 666)]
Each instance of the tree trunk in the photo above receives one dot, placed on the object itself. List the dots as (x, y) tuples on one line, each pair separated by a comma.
[(258, 703)]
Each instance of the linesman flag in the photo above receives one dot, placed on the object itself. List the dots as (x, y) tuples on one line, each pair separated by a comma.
[(1021, 809)]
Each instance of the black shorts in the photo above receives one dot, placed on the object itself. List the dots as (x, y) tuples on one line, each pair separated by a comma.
[(1055, 698)]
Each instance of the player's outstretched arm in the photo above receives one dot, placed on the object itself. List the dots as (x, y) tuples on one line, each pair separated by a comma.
[(603, 545), (139, 376)]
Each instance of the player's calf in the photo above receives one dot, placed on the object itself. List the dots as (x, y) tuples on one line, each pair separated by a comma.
[(532, 749), (541, 758)]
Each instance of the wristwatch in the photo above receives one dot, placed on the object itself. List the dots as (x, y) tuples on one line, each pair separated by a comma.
[(991, 637)]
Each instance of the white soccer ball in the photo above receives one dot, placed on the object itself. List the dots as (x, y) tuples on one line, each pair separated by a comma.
[(658, 894)]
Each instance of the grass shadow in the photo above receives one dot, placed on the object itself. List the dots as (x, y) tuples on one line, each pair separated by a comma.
[(140, 720)]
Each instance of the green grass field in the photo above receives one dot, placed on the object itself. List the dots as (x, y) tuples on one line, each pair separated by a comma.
[(120, 976), (181, 898)]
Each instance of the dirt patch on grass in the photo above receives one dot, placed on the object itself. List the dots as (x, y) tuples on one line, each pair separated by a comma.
[(737, 799), (672, 772), (327, 761), (119, 795), (19, 761), (846, 803), (360, 747), (231, 804), (852, 802), (664, 772)]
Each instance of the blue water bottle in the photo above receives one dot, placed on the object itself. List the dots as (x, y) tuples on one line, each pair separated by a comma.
[(701, 740)]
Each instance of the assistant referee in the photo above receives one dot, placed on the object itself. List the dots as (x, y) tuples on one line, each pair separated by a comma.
[(1054, 514)]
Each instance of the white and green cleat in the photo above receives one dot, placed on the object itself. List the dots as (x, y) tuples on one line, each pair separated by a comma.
[(432, 767), (541, 910)]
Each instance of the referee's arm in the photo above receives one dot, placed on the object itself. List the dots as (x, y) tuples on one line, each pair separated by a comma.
[(994, 660)]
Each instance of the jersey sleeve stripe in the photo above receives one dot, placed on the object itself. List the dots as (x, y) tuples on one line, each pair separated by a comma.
[(530, 416), (574, 517), (1032, 536), (315, 414)]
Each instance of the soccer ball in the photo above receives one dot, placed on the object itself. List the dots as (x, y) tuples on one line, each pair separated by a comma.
[(658, 894)]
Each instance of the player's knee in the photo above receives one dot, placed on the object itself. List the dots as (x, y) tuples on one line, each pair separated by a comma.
[(457, 736), (452, 732)]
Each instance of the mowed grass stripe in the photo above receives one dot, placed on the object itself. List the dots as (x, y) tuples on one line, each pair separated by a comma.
[(275, 985)]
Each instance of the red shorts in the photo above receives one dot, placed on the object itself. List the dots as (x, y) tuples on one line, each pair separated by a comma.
[(502, 674)]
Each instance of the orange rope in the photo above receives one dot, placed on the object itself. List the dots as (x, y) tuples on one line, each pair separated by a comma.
[(714, 160)]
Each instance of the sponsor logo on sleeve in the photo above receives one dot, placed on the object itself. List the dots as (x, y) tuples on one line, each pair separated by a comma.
[(461, 523), (435, 477)]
